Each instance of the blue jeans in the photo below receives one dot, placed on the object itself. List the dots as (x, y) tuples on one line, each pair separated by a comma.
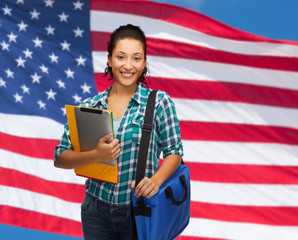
[(102, 221)]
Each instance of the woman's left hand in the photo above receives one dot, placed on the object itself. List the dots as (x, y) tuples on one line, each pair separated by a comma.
[(146, 188)]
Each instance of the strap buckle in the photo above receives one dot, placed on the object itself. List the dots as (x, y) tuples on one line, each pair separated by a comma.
[(147, 127)]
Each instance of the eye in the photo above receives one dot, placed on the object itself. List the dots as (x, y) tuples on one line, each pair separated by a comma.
[(137, 58), (120, 57)]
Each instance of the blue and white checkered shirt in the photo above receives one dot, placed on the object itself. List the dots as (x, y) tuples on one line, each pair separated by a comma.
[(165, 138)]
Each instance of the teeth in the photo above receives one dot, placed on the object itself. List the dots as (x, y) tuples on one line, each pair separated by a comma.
[(127, 74)]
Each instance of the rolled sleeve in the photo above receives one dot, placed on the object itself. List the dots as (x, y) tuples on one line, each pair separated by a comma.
[(64, 143), (169, 129)]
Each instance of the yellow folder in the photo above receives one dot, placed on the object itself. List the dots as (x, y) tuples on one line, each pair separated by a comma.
[(98, 171)]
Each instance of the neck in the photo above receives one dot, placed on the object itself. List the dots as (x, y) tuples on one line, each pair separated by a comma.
[(122, 91)]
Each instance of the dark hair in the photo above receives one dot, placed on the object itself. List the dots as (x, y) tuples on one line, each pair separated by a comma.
[(123, 32)]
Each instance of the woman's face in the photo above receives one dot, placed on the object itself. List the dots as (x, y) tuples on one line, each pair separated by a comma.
[(127, 61)]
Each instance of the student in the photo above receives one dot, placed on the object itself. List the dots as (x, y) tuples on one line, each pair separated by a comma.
[(105, 211)]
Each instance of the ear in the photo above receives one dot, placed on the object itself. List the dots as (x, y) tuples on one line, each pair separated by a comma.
[(145, 62), (109, 60)]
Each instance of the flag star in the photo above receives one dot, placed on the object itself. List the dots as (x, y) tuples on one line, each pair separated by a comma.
[(86, 88), (20, 1), (50, 30), (78, 32), (25, 89), (60, 84), (28, 54), (63, 17), (38, 43), (53, 58), (78, 5), (2, 83), (81, 61), (69, 73), (35, 78), (41, 104), (34, 14), (18, 98), (63, 111), (77, 98), (44, 69), (51, 94), (22, 26), (49, 3), (5, 46), (21, 62), (9, 73), (65, 45), (7, 11), (12, 37)]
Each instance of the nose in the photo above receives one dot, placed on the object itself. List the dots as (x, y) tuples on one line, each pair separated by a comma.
[(128, 64)]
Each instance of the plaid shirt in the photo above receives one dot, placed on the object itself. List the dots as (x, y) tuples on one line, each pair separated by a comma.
[(165, 138)]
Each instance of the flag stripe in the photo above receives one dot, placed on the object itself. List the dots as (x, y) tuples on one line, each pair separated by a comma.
[(240, 153), (172, 14), (243, 173), (212, 131), (281, 216), (168, 48), (25, 199), (242, 194), (233, 230), (41, 168), (65, 191), (217, 91), (39, 221), (184, 69), (33, 147)]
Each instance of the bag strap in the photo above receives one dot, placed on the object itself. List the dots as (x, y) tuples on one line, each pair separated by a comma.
[(145, 138)]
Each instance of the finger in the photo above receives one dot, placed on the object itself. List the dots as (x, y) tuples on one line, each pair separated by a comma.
[(114, 143), (133, 183), (106, 137)]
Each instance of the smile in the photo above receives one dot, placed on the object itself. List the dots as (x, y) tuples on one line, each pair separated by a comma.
[(127, 75)]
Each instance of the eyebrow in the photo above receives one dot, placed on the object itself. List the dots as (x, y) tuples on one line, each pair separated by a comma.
[(125, 53)]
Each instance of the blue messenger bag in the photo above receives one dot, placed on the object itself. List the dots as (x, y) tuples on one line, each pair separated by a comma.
[(165, 215)]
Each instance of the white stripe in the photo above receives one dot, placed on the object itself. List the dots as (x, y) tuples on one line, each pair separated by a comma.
[(185, 69), (30, 126), (240, 231), (240, 153), (156, 29), (188, 110), (37, 202), (231, 112), (245, 194), (38, 167)]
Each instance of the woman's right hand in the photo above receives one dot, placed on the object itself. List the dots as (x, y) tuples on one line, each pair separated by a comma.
[(107, 150)]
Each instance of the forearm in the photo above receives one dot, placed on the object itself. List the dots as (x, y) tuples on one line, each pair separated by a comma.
[(166, 170), (70, 159)]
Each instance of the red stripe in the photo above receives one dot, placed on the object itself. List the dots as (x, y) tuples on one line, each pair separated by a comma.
[(38, 221), (168, 48), (178, 16), (210, 131), (217, 91), (279, 216), (243, 173), (33, 147), (66, 191)]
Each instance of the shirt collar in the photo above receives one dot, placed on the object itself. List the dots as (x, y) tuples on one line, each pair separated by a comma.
[(140, 96)]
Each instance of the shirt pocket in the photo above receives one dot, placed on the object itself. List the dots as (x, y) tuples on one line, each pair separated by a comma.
[(137, 130)]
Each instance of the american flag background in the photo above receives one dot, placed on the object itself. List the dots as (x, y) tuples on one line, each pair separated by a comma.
[(236, 95)]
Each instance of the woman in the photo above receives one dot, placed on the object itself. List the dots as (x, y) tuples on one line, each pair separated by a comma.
[(105, 210)]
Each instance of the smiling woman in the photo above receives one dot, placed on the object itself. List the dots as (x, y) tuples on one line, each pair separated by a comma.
[(105, 211)]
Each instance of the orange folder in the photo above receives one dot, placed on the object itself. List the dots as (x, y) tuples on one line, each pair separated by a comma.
[(98, 171)]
